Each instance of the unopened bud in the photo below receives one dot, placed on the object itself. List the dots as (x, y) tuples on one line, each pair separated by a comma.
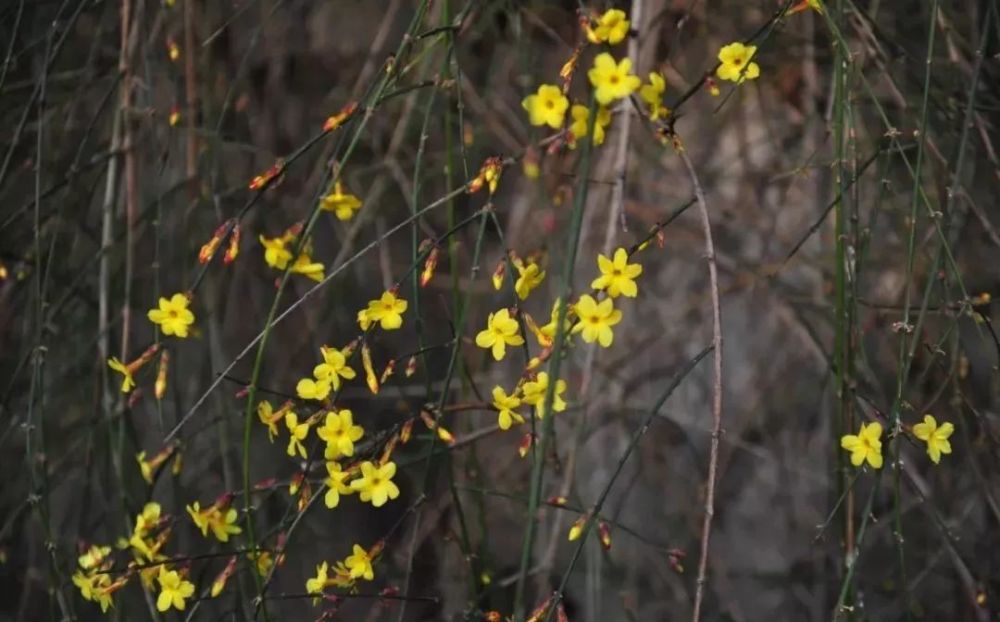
[(429, 265), (389, 448), (209, 248), (525, 445), (445, 435), (366, 362), (233, 249), (390, 368), (220, 581), (406, 432), (160, 386), (498, 274), (335, 121), (604, 533)]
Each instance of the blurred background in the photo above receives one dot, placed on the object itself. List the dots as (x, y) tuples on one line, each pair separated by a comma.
[(851, 191)]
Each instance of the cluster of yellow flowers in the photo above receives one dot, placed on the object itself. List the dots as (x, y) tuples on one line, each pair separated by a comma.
[(219, 517), (357, 565), (151, 531), (611, 81), (866, 445), (277, 255), (592, 316), (373, 482), (93, 576)]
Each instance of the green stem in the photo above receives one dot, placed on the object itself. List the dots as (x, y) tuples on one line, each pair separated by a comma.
[(555, 362)]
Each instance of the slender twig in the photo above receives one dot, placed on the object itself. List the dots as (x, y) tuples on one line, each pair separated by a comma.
[(713, 459), (633, 443)]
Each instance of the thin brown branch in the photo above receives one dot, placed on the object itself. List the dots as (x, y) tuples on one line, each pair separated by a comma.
[(713, 460)]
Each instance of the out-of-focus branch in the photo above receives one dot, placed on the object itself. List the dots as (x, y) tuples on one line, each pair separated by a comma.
[(190, 89)]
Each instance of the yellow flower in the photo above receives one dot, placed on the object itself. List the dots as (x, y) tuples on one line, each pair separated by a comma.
[(611, 80), (375, 483), (316, 584), (335, 484), (147, 520), (547, 106), (264, 561), (93, 557), (333, 368), (217, 517), (94, 586), (652, 94), (865, 445), (581, 124), (146, 468), (225, 524), (596, 319), (149, 467), (529, 276), (534, 394), (305, 266), (340, 433), (309, 389), (360, 564), (200, 516), (936, 437), (387, 310), (505, 405), (343, 205), (611, 27), (500, 332), (173, 315), (269, 417), (735, 63), (128, 382), (548, 331), (276, 253), (617, 275), (173, 590), (297, 433)]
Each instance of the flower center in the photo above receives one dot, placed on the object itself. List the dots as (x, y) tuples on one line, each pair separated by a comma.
[(614, 79), (738, 61)]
